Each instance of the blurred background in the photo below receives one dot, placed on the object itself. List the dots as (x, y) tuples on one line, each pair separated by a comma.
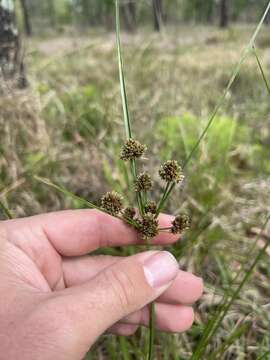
[(61, 118)]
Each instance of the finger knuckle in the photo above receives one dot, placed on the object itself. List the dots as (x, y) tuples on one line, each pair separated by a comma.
[(123, 288)]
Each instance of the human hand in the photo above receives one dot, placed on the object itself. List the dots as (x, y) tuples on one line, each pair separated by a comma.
[(55, 301)]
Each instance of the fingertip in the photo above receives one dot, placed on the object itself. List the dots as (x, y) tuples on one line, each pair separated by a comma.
[(187, 318), (182, 320), (186, 289), (174, 318)]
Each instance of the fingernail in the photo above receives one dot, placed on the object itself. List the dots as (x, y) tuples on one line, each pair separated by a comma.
[(160, 269)]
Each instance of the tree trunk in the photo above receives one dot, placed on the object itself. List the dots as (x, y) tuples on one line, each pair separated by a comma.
[(210, 12), (158, 14), (224, 18), (86, 7), (130, 16), (26, 18), (52, 14)]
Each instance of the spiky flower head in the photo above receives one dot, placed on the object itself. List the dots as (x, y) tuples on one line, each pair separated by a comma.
[(151, 207), (180, 223), (112, 203), (131, 150), (129, 213), (148, 226), (171, 171), (143, 183)]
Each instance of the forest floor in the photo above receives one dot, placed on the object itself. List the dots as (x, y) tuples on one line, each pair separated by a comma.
[(67, 126)]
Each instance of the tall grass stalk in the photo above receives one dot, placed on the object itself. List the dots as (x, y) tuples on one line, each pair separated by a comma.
[(214, 323), (77, 198), (69, 194), (264, 356), (133, 164), (245, 53), (261, 70), (236, 334), (126, 115)]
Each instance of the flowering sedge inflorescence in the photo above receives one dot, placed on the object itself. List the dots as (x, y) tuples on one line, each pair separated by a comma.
[(145, 219)]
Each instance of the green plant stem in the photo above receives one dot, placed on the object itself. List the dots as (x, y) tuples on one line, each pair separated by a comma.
[(127, 122), (246, 51), (264, 356), (261, 70), (83, 201), (5, 210), (163, 199), (214, 323), (152, 332), (236, 334)]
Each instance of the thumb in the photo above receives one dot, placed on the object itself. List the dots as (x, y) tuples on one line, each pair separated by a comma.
[(119, 290)]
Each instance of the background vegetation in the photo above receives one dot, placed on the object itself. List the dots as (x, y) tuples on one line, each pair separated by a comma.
[(67, 126)]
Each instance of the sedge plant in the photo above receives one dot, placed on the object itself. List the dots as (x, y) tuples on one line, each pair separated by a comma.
[(142, 215)]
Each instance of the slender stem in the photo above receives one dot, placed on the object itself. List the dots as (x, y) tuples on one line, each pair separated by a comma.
[(264, 356), (80, 199), (214, 323), (67, 193), (6, 211), (261, 70), (127, 121), (152, 332), (247, 50), (163, 199)]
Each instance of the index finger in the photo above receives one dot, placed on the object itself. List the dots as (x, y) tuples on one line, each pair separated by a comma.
[(78, 232)]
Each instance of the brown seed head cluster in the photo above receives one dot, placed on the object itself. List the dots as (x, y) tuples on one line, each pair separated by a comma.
[(148, 226), (143, 183), (151, 207), (171, 171), (180, 224), (129, 213), (131, 150), (112, 203)]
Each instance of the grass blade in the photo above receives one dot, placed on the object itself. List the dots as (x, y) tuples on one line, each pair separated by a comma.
[(127, 121), (261, 70), (264, 356), (121, 75), (5, 210), (246, 51), (152, 332), (236, 334), (214, 323), (69, 194)]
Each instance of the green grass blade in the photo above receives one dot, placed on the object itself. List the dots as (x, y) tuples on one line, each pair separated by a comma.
[(124, 346), (152, 332), (127, 121), (214, 323), (264, 356), (261, 70), (236, 334), (121, 74), (5, 211), (69, 194), (246, 51)]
